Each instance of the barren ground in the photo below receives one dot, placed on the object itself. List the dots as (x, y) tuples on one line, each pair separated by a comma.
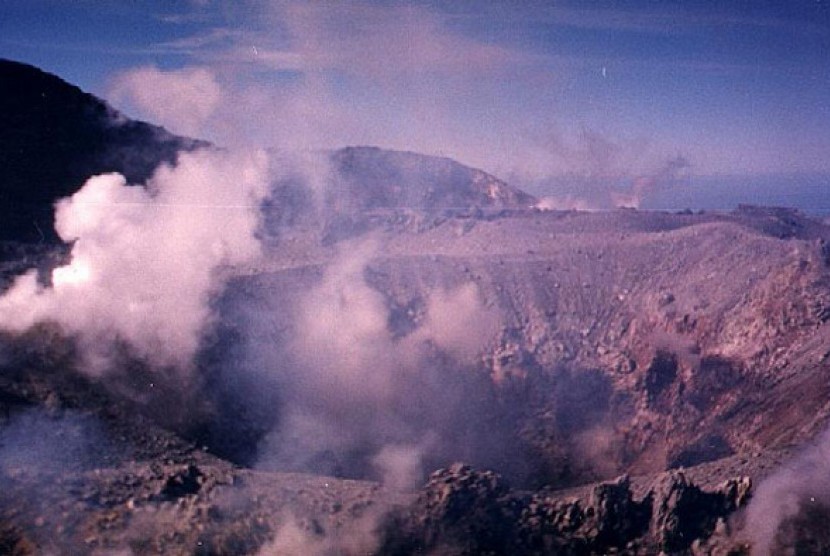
[(629, 342)]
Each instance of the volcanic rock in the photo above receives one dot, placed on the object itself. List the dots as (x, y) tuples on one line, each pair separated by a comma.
[(462, 511), (683, 513), (628, 344)]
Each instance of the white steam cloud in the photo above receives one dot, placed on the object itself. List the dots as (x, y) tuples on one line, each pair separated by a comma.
[(399, 466), (568, 202), (790, 491), (300, 75), (144, 260), (595, 172), (353, 387), (342, 330), (457, 322), (180, 100), (293, 537)]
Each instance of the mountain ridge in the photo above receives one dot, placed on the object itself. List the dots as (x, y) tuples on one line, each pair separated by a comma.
[(55, 136), (592, 344)]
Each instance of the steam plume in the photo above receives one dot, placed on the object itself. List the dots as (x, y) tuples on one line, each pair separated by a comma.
[(357, 397), (643, 186), (597, 173), (292, 538), (181, 100), (144, 260), (797, 487)]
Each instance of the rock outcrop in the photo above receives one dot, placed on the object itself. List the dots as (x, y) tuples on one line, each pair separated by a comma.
[(461, 511)]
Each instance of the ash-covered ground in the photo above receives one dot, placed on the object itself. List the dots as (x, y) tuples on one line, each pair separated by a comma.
[(547, 350), (365, 351)]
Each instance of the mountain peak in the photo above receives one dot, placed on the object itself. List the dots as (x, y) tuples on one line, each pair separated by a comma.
[(53, 136), (380, 178)]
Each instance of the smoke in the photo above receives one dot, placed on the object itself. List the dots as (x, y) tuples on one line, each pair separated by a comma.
[(595, 172), (399, 466), (457, 323), (304, 75), (295, 75), (34, 443), (624, 190), (181, 100), (799, 487), (295, 537), (341, 389), (643, 187), (359, 400), (144, 260), (342, 331), (39, 449), (321, 367), (567, 202), (597, 447)]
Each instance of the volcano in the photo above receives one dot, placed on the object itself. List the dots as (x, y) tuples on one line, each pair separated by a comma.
[(558, 381)]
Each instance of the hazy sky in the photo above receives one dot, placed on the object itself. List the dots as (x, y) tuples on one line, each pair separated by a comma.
[(523, 89)]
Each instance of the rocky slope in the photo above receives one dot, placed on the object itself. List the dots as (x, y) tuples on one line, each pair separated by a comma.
[(614, 355), (370, 178), (628, 343), (692, 335), (584, 348)]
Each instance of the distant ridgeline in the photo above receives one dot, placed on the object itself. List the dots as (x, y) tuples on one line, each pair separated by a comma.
[(363, 187), (381, 179), (53, 137)]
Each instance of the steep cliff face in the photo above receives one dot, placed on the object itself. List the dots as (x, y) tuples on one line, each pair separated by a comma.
[(669, 342)]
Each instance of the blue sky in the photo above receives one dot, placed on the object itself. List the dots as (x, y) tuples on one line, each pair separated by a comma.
[(527, 90)]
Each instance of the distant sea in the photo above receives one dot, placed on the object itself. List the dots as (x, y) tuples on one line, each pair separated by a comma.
[(809, 193)]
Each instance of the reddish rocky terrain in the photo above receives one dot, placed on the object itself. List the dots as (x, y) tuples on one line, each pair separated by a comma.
[(557, 381)]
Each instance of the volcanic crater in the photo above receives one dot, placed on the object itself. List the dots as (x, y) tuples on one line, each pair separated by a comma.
[(558, 381)]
